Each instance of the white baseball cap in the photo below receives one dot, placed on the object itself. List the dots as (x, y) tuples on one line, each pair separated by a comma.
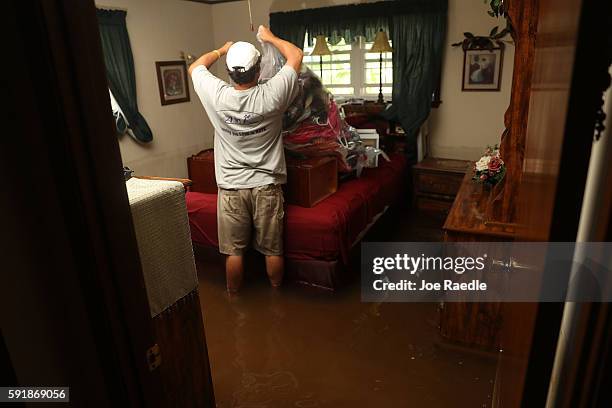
[(242, 55)]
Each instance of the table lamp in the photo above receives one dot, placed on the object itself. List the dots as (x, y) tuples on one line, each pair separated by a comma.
[(381, 44), (321, 49)]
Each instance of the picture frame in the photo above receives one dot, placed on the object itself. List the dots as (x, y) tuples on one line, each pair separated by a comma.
[(172, 81), (482, 69)]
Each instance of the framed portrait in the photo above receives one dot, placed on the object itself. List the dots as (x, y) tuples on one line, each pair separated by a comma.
[(172, 81), (482, 69)]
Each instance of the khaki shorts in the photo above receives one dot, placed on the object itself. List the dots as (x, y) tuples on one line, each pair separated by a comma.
[(251, 214)]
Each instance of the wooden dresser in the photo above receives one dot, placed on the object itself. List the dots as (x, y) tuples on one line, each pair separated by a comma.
[(486, 215), (436, 183), (469, 324)]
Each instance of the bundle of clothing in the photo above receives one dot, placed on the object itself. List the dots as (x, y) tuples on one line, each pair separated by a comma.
[(313, 125)]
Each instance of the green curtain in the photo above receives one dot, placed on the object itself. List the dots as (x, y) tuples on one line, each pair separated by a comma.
[(120, 71), (335, 23), (347, 21), (418, 40), (288, 29), (349, 29)]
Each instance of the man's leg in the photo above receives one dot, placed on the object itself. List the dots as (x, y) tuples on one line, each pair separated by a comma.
[(234, 231), (234, 269), (275, 267), (268, 221)]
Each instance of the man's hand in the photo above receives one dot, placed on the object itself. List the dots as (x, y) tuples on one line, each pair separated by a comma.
[(226, 46), (292, 54), (265, 34)]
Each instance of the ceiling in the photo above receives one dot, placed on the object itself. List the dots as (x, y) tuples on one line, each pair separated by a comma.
[(213, 1)]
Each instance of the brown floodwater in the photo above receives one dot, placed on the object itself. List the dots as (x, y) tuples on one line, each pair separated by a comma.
[(304, 347)]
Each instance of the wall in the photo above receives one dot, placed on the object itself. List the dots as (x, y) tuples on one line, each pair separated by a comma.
[(159, 30), (463, 125), (231, 20), (467, 122)]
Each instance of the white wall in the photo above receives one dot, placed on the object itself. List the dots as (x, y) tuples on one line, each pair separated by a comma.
[(159, 30), (466, 122), (463, 125)]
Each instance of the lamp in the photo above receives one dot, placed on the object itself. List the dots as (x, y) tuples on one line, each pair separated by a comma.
[(381, 44), (321, 49)]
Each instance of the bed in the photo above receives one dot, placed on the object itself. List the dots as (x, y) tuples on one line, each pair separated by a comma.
[(318, 240)]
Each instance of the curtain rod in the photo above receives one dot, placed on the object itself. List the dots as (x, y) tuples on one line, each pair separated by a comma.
[(102, 6)]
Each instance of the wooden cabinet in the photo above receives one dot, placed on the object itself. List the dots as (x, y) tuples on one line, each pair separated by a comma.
[(474, 325), (436, 183), (487, 215), (310, 181)]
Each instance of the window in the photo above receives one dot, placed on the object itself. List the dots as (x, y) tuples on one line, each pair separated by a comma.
[(351, 71), (336, 68)]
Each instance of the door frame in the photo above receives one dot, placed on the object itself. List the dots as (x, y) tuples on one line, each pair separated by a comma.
[(75, 306)]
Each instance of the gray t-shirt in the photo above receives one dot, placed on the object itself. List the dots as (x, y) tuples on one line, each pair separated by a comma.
[(248, 123)]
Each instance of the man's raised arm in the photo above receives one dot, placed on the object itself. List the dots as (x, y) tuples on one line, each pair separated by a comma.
[(292, 54)]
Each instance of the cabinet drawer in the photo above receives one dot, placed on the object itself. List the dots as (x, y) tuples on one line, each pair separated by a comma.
[(442, 184)]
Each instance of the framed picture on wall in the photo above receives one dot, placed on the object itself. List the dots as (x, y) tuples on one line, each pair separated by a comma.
[(172, 81), (482, 69)]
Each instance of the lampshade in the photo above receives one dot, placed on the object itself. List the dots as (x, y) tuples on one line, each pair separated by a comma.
[(320, 47), (381, 43)]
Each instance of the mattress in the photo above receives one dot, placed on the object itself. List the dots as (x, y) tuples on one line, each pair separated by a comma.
[(326, 231)]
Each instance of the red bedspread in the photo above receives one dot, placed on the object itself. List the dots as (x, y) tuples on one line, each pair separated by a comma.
[(326, 231)]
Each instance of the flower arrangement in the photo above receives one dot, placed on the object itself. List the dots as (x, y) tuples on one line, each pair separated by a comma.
[(490, 169)]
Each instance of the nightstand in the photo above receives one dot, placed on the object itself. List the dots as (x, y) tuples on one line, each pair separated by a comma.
[(436, 183)]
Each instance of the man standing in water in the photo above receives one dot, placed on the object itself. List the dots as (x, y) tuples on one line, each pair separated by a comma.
[(249, 156)]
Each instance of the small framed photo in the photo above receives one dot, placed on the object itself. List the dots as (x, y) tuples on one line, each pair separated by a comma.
[(482, 69), (172, 81)]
